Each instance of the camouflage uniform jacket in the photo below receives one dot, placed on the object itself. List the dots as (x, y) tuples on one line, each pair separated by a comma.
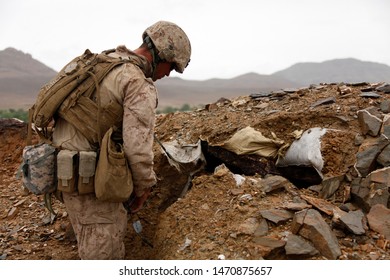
[(131, 87)]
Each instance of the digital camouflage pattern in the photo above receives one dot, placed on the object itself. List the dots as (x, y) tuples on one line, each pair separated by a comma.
[(39, 168), (171, 43)]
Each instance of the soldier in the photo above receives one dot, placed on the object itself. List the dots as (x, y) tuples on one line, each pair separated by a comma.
[(100, 226)]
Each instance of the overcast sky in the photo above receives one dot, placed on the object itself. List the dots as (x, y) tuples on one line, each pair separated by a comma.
[(228, 37)]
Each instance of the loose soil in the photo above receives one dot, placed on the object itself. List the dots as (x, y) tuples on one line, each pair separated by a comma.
[(205, 222)]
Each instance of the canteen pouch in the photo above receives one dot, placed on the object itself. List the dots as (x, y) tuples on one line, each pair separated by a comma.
[(87, 165), (66, 167), (39, 168), (113, 179)]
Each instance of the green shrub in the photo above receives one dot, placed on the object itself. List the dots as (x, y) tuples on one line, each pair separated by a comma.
[(14, 113)]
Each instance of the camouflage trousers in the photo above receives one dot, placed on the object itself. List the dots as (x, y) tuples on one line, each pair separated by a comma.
[(100, 227)]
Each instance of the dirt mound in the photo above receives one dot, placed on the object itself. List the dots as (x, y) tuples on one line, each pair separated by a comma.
[(224, 212)]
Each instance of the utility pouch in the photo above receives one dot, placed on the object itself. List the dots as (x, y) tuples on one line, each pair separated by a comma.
[(87, 165), (38, 168), (66, 167), (113, 178)]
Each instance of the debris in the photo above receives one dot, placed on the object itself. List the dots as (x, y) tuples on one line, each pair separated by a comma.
[(310, 225), (276, 215), (299, 247), (249, 226), (186, 244), (379, 220), (250, 141), (354, 222), (320, 204)]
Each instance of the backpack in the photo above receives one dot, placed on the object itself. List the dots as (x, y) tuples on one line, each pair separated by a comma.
[(69, 96)]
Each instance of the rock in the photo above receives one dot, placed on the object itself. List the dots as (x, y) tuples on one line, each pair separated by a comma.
[(379, 220), (320, 204), (276, 215), (366, 193), (273, 183), (249, 226), (370, 95), (343, 89), (330, 186), (384, 157), (290, 90), (324, 101), (297, 206), (366, 157), (270, 248), (297, 246), (384, 88), (369, 124), (310, 225), (385, 130), (262, 229), (354, 222), (260, 95), (385, 106), (381, 176)]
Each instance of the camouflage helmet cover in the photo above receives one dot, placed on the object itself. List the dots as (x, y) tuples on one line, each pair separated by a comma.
[(171, 42)]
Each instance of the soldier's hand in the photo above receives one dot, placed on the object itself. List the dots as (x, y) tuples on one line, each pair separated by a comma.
[(139, 201)]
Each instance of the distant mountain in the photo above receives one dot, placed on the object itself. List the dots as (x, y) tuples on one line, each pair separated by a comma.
[(21, 77), (176, 91), (337, 70)]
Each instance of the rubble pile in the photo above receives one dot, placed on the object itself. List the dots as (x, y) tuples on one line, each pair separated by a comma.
[(279, 213), (329, 201)]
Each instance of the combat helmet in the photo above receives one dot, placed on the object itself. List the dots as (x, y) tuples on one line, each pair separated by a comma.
[(170, 42)]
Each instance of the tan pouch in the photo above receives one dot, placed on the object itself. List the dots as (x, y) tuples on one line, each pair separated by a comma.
[(87, 165), (66, 171), (113, 179)]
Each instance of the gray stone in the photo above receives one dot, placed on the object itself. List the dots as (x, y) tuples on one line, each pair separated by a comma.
[(359, 139), (270, 248), (354, 221), (386, 126), (384, 157), (249, 226), (260, 95), (379, 220), (298, 246), (369, 123), (370, 95), (290, 90), (273, 183), (330, 186), (262, 229), (385, 106), (324, 101), (366, 160), (384, 88), (366, 193), (276, 215), (310, 225)]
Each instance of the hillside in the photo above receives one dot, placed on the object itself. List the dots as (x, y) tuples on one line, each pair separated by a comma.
[(228, 205), (21, 77), (335, 71), (177, 91)]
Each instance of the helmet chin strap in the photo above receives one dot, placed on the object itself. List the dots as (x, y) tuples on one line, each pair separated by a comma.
[(155, 58)]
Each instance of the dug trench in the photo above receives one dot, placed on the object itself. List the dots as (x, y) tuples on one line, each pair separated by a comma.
[(233, 206)]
